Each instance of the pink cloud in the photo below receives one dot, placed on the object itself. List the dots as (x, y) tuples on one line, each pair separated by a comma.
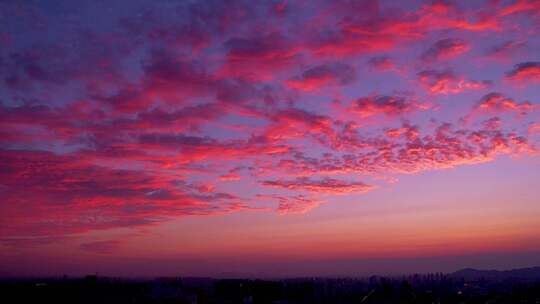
[(380, 104), (323, 75), (446, 49), (446, 147), (505, 51), (231, 175), (534, 128), (410, 132), (446, 82), (496, 102), (259, 57), (376, 30), (325, 185), (78, 196), (293, 123), (521, 6), (152, 120), (525, 72), (193, 148)]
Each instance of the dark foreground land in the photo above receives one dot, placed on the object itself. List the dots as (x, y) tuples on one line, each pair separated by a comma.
[(465, 286)]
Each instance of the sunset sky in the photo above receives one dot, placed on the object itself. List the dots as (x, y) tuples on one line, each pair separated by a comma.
[(268, 138)]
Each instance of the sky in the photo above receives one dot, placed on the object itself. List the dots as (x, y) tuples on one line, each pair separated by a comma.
[(268, 138)]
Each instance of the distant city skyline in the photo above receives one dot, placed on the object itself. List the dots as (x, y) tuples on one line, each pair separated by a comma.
[(273, 138)]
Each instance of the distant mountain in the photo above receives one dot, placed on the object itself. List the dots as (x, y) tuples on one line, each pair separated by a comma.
[(532, 273)]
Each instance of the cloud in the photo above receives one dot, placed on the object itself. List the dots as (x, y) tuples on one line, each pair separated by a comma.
[(493, 123), (505, 50), (167, 78), (440, 15), (521, 6), (294, 123), (407, 130), (323, 75), (259, 57), (182, 119), (446, 82), (496, 102), (229, 177), (325, 185), (54, 66), (445, 147), (186, 25), (370, 30), (153, 118), (525, 72), (382, 104), (78, 196), (534, 128), (349, 43), (445, 49), (232, 175), (194, 148)]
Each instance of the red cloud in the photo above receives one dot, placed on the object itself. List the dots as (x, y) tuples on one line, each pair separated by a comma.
[(185, 118), (492, 124), (294, 123), (323, 75), (163, 72), (379, 104), (139, 116), (525, 72), (446, 82), (377, 30), (505, 50), (259, 57), (444, 148), (498, 103), (229, 177), (521, 6), (194, 148), (78, 196), (440, 16), (410, 132), (352, 41), (446, 49), (325, 185), (534, 128)]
